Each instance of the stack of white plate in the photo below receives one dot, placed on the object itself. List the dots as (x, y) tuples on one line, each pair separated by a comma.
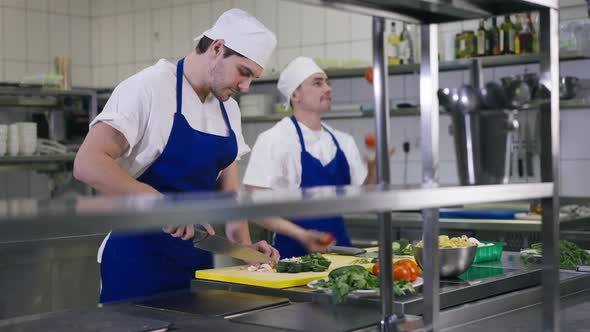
[(13, 139), (3, 139), (27, 138)]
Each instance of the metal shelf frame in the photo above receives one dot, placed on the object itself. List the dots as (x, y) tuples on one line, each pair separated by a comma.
[(459, 64), (41, 92), (429, 13)]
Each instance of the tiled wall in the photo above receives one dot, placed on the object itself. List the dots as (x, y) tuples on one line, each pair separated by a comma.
[(33, 32), (130, 35)]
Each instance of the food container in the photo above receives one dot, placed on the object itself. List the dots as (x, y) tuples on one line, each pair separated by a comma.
[(489, 253), (453, 261)]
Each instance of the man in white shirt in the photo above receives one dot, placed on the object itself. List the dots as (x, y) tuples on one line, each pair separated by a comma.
[(300, 152), (174, 128)]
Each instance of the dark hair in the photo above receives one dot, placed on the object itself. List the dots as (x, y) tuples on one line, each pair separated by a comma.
[(205, 42)]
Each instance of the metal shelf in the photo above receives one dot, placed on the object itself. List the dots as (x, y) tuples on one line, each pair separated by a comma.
[(410, 111), (40, 92), (42, 220), (18, 91), (37, 159), (434, 11), (460, 64)]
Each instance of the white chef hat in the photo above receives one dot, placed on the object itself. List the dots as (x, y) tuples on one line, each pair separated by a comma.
[(244, 34), (294, 74)]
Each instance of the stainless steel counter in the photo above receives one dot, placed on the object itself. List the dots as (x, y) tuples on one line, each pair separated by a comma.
[(491, 288), (51, 275)]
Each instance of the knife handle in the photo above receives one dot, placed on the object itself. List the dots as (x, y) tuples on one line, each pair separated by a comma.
[(200, 233)]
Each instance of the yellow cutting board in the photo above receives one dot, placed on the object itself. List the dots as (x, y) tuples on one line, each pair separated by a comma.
[(240, 274)]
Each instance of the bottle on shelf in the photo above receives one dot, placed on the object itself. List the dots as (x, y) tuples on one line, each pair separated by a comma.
[(482, 41), (495, 45), (406, 46), (526, 35), (507, 36), (517, 31), (535, 31), (459, 45), (393, 42), (470, 44)]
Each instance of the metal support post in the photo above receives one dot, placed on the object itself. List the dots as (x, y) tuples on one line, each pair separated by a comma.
[(388, 320), (429, 114), (550, 167)]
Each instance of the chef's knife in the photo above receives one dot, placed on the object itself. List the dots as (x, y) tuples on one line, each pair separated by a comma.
[(349, 251), (223, 246)]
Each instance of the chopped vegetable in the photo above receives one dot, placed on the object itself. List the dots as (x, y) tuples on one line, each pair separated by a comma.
[(260, 268), (308, 263), (403, 287), (402, 248), (363, 260), (346, 279), (570, 255), (444, 242)]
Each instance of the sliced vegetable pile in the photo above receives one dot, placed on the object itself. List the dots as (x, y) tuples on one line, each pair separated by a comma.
[(570, 255), (346, 279), (309, 263), (444, 242)]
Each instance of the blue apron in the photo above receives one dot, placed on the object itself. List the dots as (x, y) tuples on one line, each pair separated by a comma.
[(313, 174), (143, 264)]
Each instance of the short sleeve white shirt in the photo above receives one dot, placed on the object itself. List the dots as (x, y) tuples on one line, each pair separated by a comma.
[(275, 161), (142, 108)]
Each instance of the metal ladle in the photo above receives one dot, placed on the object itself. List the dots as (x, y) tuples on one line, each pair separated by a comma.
[(494, 96), (468, 99)]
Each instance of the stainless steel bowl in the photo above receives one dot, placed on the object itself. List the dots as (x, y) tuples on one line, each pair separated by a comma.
[(453, 261)]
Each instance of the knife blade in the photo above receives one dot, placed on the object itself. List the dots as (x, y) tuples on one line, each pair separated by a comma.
[(223, 246), (349, 251)]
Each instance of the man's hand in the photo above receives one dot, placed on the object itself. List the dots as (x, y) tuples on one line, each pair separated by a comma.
[(267, 249), (186, 232), (315, 241)]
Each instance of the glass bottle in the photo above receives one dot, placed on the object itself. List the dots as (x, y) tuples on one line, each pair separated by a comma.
[(393, 47), (507, 36), (495, 45), (517, 31), (406, 46), (482, 46)]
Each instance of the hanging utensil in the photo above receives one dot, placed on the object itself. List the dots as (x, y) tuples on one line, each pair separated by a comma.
[(468, 99), (494, 96), (519, 94), (447, 98)]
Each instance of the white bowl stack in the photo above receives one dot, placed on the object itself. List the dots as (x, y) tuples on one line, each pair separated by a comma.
[(3, 139), (27, 138), (13, 139)]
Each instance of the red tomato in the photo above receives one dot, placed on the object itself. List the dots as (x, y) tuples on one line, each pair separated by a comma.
[(370, 141), (369, 75), (400, 272), (411, 267), (376, 269), (327, 240)]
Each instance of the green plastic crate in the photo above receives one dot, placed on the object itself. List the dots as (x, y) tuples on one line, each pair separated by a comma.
[(489, 253)]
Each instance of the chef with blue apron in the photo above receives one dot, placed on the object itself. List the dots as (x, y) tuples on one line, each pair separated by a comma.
[(171, 128), (301, 151)]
